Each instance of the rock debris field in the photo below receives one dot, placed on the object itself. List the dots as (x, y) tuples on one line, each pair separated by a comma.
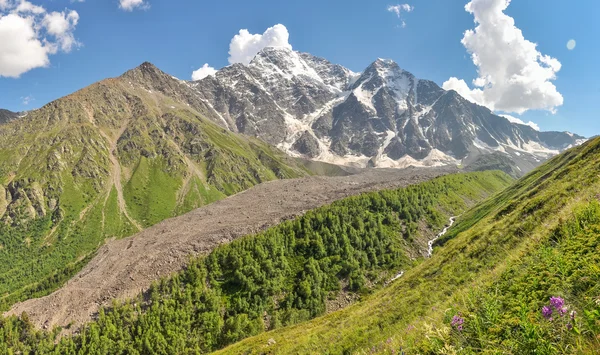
[(123, 268)]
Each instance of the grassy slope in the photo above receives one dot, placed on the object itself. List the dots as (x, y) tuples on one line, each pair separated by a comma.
[(58, 196), (503, 234)]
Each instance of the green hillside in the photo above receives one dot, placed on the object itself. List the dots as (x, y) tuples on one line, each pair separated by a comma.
[(288, 274), (106, 162), (498, 268)]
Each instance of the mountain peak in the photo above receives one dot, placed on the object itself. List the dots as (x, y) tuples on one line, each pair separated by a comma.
[(277, 49), (147, 74), (384, 72), (384, 67), (284, 62), (384, 62), (273, 54), (147, 66)]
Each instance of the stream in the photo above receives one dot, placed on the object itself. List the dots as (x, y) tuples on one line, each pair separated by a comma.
[(429, 245)]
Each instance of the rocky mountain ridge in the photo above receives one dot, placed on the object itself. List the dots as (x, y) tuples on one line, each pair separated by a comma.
[(382, 117), (7, 116)]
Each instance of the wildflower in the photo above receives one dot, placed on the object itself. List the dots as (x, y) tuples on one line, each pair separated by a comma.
[(547, 312), (563, 310), (569, 326), (458, 322), (557, 302), (572, 315)]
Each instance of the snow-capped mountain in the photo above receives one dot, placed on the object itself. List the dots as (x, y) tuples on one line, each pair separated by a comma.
[(382, 117)]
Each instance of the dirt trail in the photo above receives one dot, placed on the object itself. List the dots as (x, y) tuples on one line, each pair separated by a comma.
[(124, 268), (116, 174)]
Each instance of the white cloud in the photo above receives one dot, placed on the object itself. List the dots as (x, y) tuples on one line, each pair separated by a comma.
[(20, 48), (519, 121), (130, 5), (203, 72), (27, 100), (29, 35), (571, 44), (61, 25), (399, 9), (513, 76), (461, 87), (244, 46), (26, 7)]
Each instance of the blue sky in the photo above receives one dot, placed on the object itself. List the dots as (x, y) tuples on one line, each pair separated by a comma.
[(180, 36)]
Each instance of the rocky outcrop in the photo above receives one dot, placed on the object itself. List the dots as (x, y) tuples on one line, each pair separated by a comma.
[(307, 145), (7, 116)]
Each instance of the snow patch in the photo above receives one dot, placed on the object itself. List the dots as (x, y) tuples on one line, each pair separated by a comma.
[(365, 97)]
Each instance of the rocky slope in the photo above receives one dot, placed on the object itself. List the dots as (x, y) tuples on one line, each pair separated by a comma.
[(383, 117), (108, 161), (7, 116)]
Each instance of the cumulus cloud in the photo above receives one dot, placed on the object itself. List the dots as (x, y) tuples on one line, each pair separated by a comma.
[(27, 7), (461, 87), (399, 9), (244, 46), (29, 35), (61, 25), (519, 121), (130, 5), (513, 76), (203, 72)]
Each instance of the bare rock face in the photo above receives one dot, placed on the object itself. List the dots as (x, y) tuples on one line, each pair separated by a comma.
[(382, 117), (307, 145), (7, 116)]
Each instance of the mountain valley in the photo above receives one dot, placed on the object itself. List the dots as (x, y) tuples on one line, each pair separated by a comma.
[(285, 206)]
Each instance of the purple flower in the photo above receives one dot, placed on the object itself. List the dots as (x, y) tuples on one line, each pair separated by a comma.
[(563, 310), (457, 322), (460, 328), (557, 302), (547, 312), (570, 326)]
